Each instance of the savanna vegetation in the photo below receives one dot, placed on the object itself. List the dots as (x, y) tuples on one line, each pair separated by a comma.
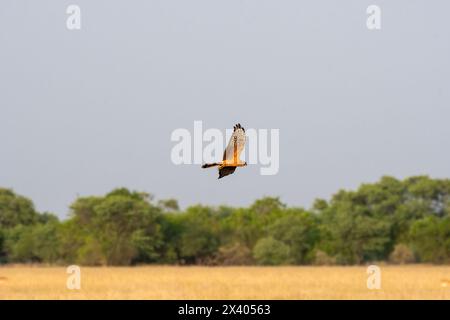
[(416, 281), (400, 221)]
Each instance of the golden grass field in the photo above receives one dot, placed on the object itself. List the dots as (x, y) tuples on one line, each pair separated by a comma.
[(167, 282)]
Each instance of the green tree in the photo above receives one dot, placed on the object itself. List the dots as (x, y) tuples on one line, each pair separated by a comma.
[(357, 225), (171, 228), (430, 238), (247, 225), (33, 243), (243, 226), (298, 230), (200, 234), (123, 226), (169, 205), (269, 251), (422, 197), (72, 237), (3, 256), (364, 225), (15, 210)]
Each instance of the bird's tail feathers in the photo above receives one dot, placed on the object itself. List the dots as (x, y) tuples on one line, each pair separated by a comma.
[(209, 165)]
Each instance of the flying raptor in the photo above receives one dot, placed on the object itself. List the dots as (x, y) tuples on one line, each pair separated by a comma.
[(231, 154)]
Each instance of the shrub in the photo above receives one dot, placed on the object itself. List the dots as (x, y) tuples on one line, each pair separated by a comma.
[(402, 254), (269, 251), (235, 254), (323, 259), (431, 239)]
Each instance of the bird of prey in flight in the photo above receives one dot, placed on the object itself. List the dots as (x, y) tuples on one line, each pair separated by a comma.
[(231, 154)]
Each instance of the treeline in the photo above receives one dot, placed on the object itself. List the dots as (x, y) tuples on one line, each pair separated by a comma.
[(400, 221)]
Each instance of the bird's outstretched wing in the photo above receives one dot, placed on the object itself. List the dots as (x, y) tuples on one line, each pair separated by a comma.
[(226, 171), (235, 145)]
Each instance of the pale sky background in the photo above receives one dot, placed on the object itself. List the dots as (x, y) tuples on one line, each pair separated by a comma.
[(83, 112)]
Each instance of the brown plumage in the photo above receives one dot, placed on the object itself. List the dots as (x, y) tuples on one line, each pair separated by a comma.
[(231, 154)]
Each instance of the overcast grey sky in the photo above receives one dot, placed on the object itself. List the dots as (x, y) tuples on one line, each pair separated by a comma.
[(83, 112)]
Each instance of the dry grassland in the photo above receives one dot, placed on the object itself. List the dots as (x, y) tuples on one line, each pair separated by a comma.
[(167, 282)]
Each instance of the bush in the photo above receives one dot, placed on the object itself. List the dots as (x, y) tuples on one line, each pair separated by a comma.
[(323, 259), (431, 239), (269, 251), (90, 254), (234, 255), (37, 243), (3, 257), (298, 230), (15, 210), (402, 254)]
